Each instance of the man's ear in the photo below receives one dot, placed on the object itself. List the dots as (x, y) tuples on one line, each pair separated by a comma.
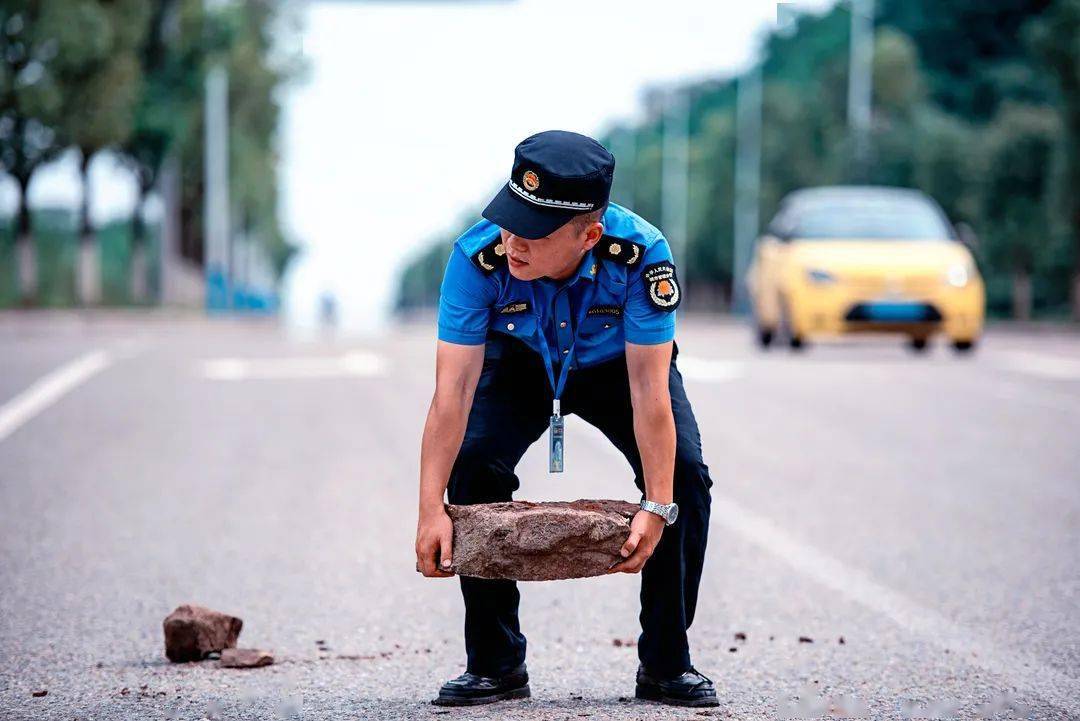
[(593, 234)]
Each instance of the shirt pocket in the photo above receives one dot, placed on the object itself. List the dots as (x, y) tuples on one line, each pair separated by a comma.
[(521, 324), (601, 323)]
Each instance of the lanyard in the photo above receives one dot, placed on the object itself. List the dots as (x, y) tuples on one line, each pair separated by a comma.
[(545, 352)]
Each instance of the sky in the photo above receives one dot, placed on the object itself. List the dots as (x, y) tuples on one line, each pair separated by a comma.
[(407, 118)]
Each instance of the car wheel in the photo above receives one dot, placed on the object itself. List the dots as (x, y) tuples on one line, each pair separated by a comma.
[(795, 342), (764, 337), (918, 344), (963, 346)]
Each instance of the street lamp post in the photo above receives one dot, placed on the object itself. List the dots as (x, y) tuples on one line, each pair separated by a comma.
[(675, 180), (748, 115), (860, 84)]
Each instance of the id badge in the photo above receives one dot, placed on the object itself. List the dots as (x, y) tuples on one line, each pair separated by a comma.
[(555, 445)]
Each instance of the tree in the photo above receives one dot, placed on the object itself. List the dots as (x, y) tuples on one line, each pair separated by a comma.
[(30, 104), (172, 59), (1056, 36), (100, 90), (1020, 145)]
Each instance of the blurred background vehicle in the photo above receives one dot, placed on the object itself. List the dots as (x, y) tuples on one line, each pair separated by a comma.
[(864, 259)]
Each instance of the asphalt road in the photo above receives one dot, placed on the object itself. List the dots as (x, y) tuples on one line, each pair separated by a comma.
[(925, 509)]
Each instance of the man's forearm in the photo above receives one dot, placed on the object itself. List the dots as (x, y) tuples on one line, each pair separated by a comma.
[(443, 432), (654, 429)]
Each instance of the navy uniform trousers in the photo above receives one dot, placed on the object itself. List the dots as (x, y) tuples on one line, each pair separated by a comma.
[(510, 411)]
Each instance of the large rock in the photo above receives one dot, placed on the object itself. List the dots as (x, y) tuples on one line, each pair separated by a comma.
[(527, 541), (193, 632)]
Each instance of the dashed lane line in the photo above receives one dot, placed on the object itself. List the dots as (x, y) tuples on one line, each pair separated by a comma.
[(51, 388)]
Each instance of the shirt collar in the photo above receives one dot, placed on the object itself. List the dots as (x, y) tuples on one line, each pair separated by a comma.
[(589, 267)]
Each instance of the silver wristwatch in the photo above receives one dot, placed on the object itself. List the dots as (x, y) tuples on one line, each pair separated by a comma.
[(668, 511)]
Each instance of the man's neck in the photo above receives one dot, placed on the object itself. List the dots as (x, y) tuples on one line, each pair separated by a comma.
[(569, 271)]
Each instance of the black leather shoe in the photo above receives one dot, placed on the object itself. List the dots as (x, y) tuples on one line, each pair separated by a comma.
[(691, 688), (469, 689)]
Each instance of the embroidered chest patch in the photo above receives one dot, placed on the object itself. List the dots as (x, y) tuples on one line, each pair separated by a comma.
[(517, 306), (663, 287)]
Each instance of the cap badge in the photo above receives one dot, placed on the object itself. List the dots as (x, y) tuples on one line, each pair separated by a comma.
[(614, 249), (530, 180)]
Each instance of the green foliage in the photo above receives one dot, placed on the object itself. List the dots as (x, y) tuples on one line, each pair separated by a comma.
[(129, 75), (975, 103)]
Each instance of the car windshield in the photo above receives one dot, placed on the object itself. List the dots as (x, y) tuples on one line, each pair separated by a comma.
[(867, 217)]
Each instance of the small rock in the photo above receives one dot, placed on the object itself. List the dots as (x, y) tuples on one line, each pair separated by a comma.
[(616, 642), (841, 641), (733, 649), (245, 658), (805, 639), (39, 694), (740, 636), (771, 637), (192, 632)]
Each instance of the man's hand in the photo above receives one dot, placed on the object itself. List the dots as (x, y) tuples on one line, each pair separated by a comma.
[(434, 543), (645, 531)]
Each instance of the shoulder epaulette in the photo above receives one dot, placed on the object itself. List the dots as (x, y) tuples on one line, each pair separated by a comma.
[(491, 257), (620, 250)]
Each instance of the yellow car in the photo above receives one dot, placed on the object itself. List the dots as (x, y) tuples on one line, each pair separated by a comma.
[(849, 259)]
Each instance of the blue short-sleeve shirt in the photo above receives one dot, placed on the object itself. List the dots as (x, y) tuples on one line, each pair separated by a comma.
[(624, 290)]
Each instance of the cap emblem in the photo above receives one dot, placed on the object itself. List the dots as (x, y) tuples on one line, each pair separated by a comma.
[(530, 180)]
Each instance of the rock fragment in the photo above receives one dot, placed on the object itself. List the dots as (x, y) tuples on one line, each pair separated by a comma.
[(194, 632), (526, 541), (245, 658)]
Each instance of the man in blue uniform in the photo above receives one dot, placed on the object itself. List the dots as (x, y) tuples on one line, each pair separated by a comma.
[(561, 302)]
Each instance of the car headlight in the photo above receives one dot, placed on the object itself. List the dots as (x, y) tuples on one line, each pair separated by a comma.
[(958, 275), (821, 277)]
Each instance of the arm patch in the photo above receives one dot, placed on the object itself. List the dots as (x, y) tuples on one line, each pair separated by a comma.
[(662, 285)]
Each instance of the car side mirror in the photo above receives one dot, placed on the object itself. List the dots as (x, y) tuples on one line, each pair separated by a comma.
[(967, 235)]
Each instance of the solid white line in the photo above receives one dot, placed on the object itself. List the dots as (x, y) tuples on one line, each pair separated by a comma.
[(49, 389), (1022, 669)]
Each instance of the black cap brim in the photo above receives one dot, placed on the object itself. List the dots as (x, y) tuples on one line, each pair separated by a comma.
[(522, 218)]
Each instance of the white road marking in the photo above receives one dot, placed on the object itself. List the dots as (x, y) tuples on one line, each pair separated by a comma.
[(356, 364), (708, 370), (1019, 667), (1040, 364), (49, 389)]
